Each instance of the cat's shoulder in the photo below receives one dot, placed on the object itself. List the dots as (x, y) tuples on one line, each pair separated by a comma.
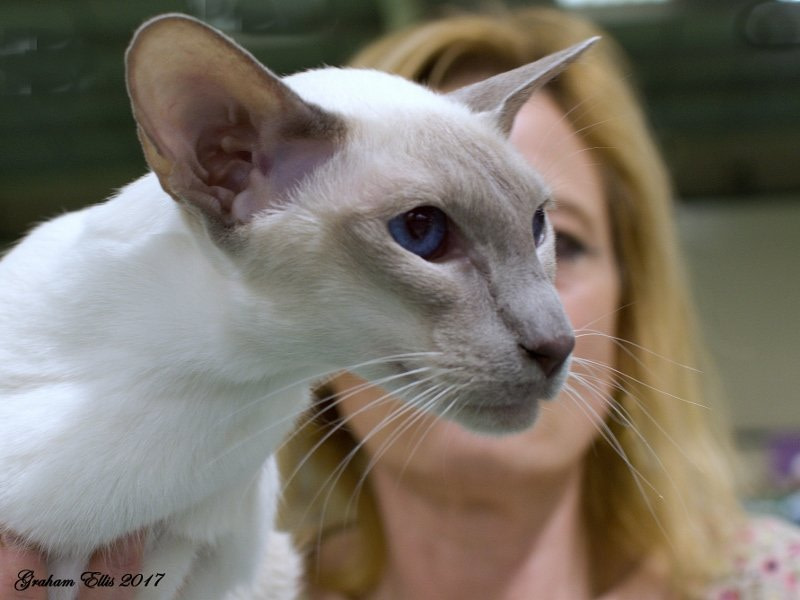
[(140, 206)]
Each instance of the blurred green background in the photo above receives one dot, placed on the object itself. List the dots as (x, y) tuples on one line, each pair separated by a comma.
[(721, 82)]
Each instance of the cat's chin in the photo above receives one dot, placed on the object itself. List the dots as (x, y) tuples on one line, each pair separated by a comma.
[(497, 419)]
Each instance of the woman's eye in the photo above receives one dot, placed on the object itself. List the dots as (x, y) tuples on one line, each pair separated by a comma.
[(568, 247), (421, 230), (539, 229)]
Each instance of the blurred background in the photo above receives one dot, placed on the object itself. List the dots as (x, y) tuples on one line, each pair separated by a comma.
[(720, 80)]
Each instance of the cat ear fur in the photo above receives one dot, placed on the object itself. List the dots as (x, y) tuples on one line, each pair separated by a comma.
[(222, 133), (503, 95)]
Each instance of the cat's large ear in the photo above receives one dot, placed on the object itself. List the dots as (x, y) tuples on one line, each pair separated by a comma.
[(503, 95), (223, 134)]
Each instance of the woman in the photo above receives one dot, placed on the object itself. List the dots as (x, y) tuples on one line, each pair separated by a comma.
[(623, 488)]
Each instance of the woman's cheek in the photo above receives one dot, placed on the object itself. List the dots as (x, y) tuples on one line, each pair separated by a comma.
[(576, 295), (591, 301)]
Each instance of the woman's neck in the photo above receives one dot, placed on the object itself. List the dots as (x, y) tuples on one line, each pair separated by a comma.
[(452, 539)]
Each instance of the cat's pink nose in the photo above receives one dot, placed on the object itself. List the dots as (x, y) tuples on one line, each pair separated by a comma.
[(551, 354)]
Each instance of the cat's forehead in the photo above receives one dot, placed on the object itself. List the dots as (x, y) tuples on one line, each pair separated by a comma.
[(460, 164), (361, 93), (411, 146)]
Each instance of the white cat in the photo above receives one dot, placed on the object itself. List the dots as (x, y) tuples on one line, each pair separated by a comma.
[(154, 349)]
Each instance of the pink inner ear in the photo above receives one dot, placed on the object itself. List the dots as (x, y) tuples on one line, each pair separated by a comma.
[(277, 172), (222, 132), (233, 150), (226, 153), (245, 167), (246, 160), (293, 160)]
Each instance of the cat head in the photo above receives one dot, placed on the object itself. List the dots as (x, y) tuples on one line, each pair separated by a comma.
[(377, 225)]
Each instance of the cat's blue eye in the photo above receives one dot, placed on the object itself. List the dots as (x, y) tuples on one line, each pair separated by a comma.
[(421, 230), (539, 229)]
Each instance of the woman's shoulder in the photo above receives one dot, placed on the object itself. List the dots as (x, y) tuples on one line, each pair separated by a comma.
[(766, 563)]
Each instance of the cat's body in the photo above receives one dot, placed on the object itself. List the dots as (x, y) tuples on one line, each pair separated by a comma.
[(153, 353), (85, 404)]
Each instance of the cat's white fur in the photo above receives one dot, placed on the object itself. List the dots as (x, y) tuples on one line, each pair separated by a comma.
[(154, 353)]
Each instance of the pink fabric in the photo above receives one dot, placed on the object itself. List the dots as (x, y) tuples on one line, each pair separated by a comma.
[(767, 564)]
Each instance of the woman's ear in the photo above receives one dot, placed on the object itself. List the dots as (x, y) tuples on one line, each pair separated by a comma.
[(224, 135), (503, 95)]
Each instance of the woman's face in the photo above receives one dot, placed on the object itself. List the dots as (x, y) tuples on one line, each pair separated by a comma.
[(588, 284)]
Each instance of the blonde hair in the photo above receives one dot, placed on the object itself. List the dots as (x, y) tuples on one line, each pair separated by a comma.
[(673, 495)]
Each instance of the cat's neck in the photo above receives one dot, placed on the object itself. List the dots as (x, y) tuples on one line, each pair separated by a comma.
[(138, 335), (149, 304)]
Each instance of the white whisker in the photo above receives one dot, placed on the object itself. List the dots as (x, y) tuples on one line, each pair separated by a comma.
[(341, 422), (588, 362), (623, 344), (299, 411), (352, 391), (332, 479), (420, 413), (609, 437), (327, 374)]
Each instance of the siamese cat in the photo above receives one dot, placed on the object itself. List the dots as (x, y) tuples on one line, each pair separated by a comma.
[(155, 348)]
